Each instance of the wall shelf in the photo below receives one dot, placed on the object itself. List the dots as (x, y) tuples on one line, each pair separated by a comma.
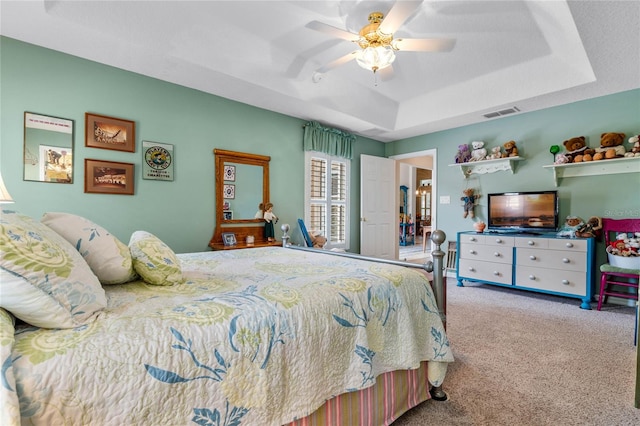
[(487, 166), (593, 168)]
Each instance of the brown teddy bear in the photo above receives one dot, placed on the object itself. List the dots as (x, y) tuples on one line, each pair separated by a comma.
[(510, 149), (469, 202), (590, 229), (318, 240), (611, 146), (577, 150)]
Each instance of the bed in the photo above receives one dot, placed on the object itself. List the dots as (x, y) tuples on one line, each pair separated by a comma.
[(93, 331)]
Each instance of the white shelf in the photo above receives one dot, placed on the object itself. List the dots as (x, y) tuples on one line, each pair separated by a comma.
[(593, 168), (487, 166)]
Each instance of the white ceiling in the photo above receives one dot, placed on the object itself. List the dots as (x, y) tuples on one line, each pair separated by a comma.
[(528, 54)]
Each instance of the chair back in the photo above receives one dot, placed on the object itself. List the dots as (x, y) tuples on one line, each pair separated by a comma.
[(611, 227)]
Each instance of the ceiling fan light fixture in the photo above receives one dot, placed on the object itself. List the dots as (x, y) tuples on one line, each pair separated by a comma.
[(375, 58)]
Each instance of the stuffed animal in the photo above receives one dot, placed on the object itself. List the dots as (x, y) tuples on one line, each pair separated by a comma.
[(463, 155), (635, 149), (571, 225), (562, 159), (577, 150), (496, 152), (510, 149), (590, 229), (317, 239), (469, 202), (611, 146), (479, 153)]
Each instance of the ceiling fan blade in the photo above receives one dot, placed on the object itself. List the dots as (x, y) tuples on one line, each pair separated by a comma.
[(425, 45), (399, 13), (332, 31), (336, 63)]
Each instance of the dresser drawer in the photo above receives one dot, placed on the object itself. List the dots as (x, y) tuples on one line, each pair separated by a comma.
[(485, 271), (486, 253), (497, 240), (571, 245), (560, 281), (472, 239), (532, 242), (552, 259)]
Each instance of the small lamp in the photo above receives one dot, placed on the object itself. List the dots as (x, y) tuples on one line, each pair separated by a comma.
[(5, 197)]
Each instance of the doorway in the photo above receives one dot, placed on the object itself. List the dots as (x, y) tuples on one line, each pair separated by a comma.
[(417, 171)]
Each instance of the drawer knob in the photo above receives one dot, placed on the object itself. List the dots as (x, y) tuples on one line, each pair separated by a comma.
[(472, 252), (565, 282), (496, 254), (496, 273), (531, 243), (472, 269), (472, 239), (569, 245), (565, 260), (532, 257), (498, 240), (532, 277)]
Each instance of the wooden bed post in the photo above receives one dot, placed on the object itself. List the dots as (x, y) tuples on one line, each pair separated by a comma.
[(439, 280)]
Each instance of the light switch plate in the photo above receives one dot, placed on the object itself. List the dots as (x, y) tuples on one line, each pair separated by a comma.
[(445, 199)]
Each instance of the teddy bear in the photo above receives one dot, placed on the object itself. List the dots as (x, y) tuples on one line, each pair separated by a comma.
[(469, 201), (496, 152), (463, 155), (590, 229), (635, 149), (577, 150), (317, 239), (510, 149), (571, 225), (479, 152), (562, 159), (611, 146)]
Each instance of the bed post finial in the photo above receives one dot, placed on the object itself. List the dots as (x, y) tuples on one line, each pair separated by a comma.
[(285, 236)]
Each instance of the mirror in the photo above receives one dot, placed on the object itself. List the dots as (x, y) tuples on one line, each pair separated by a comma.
[(242, 184), (48, 148)]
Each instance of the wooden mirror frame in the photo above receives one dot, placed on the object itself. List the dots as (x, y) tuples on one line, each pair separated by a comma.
[(240, 227)]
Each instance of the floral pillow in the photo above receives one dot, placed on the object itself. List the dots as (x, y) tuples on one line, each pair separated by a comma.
[(108, 257), (45, 281), (154, 260)]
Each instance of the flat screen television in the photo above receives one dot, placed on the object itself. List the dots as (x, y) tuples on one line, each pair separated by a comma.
[(523, 211)]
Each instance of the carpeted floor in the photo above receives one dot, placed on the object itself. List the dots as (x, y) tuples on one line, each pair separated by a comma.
[(530, 359)]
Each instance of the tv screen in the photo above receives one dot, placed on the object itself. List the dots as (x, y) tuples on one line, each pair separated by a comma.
[(523, 211)]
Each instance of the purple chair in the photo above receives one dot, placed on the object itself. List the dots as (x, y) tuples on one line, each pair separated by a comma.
[(614, 278)]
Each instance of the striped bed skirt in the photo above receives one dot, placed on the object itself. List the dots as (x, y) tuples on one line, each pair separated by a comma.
[(392, 395)]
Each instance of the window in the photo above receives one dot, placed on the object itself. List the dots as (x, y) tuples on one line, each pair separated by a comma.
[(327, 197)]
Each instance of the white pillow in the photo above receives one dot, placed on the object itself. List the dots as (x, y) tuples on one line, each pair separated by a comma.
[(44, 280), (154, 260), (108, 257)]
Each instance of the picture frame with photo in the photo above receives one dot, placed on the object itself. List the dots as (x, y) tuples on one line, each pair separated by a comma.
[(229, 239), (226, 205), (106, 132), (227, 215), (108, 177), (230, 173), (229, 191)]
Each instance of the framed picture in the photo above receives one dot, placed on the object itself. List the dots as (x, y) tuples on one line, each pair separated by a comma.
[(227, 215), (229, 238), (230, 173), (226, 205), (157, 161), (108, 177), (109, 133), (229, 191)]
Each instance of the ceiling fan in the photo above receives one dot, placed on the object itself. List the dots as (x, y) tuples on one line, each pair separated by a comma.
[(376, 42)]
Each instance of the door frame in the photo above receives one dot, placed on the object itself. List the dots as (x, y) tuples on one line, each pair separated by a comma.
[(434, 178)]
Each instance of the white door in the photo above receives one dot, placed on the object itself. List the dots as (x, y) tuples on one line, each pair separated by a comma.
[(378, 209)]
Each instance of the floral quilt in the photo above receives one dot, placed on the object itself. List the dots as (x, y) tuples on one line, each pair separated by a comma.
[(250, 337)]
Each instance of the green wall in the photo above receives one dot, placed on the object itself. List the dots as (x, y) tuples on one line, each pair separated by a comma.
[(535, 132), (180, 212)]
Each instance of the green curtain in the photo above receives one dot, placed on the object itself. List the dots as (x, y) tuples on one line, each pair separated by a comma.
[(327, 140)]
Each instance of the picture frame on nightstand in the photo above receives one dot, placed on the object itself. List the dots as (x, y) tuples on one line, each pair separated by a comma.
[(229, 239)]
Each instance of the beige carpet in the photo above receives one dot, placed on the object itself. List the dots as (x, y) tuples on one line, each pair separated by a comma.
[(531, 359)]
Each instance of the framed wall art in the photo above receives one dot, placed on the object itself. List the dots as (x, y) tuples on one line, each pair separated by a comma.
[(157, 161), (230, 173), (229, 238), (226, 205), (227, 215), (109, 132), (108, 177), (229, 191)]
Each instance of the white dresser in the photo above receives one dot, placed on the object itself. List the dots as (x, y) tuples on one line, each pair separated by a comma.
[(542, 263)]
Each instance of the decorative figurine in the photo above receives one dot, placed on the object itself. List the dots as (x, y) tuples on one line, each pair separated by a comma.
[(271, 219)]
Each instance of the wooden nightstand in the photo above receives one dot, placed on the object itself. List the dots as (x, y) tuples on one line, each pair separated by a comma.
[(243, 245)]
